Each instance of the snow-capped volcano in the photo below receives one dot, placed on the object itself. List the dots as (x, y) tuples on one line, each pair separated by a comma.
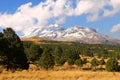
[(76, 33)]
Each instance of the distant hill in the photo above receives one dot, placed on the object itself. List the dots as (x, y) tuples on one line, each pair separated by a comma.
[(35, 39), (40, 40)]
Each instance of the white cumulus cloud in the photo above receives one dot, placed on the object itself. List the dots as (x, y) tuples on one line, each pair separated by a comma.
[(28, 16), (115, 5), (115, 28)]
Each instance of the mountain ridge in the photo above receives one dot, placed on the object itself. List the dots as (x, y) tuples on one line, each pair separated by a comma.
[(75, 34)]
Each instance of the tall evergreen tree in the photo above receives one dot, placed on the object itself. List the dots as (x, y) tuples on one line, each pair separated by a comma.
[(34, 53), (46, 61), (16, 57), (3, 50), (57, 55)]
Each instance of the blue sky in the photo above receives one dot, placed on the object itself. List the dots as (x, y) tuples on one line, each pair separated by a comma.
[(102, 15)]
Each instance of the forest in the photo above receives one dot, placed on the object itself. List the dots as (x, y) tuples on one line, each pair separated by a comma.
[(17, 55)]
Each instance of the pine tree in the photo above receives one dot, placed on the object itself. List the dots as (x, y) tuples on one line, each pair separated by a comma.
[(46, 60), (34, 53), (3, 50), (57, 55), (16, 57), (71, 56)]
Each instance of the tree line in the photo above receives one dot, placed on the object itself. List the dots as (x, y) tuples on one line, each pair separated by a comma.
[(58, 54)]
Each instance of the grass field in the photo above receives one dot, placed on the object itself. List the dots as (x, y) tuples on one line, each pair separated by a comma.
[(59, 75)]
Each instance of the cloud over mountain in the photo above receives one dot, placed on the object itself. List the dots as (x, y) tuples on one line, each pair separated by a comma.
[(28, 16), (115, 28)]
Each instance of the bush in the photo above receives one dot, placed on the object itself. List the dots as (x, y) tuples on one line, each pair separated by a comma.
[(101, 62), (79, 62), (61, 61), (70, 61), (94, 62), (112, 65)]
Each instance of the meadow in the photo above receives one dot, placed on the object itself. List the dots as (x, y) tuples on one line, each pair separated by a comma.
[(48, 55), (59, 75)]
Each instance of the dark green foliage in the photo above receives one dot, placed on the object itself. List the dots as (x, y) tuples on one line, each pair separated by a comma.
[(46, 60), (70, 61), (101, 62), (100, 50), (105, 55), (117, 55), (70, 52), (94, 62), (79, 62), (27, 44), (88, 53), (33, 53), (70, 56), (57, 55), (12, 38), (112, 65), (3, 50), (18, 61), (13, 50), (84, 60), (61, 61)]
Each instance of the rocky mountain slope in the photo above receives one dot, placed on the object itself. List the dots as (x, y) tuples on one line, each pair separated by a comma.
[(76, 34)]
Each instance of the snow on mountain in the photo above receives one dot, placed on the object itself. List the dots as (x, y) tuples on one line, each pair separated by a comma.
[(76, 33)]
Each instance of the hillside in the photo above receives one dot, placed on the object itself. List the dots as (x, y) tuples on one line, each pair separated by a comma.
[(40, 40), (35, 39)]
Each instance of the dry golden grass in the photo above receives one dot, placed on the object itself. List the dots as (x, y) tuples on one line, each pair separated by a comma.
[(59, 75), (64, 72), (34, 38), (39, 40)]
